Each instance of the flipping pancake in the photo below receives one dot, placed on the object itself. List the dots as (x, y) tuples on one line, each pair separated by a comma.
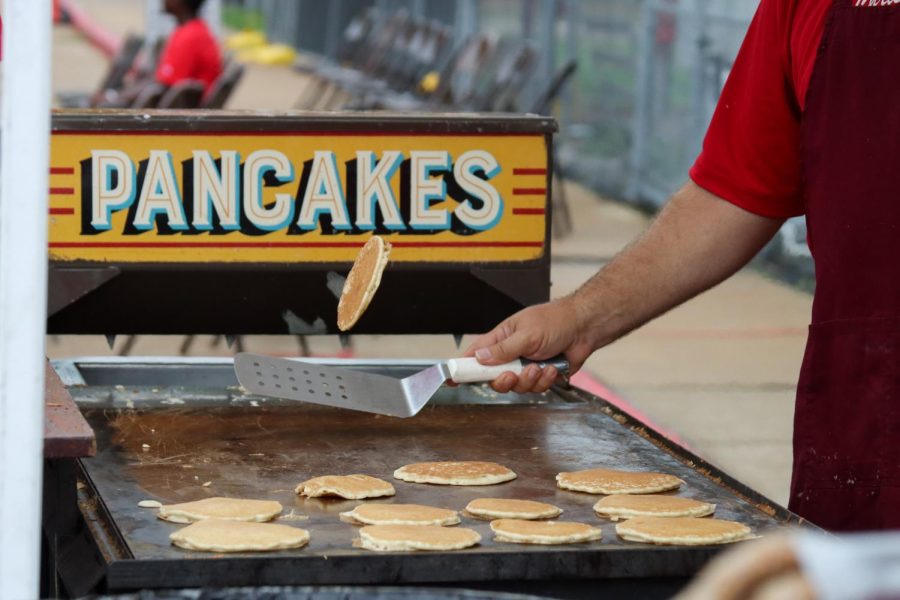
[(519, 531), (392, 538), (687, 531), (608, 481), (455, 473), (214, 535), (501, 508), (362, 281), (351, 487), (625, 506), (227, 509), (400, 514)]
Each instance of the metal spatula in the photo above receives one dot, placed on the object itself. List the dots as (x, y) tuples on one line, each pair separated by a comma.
[(357, 390)]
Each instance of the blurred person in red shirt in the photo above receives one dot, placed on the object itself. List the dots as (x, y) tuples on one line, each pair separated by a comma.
[(191, 53)]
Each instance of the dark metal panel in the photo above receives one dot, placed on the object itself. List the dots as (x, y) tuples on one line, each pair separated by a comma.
[(242, 301), (65, 286)]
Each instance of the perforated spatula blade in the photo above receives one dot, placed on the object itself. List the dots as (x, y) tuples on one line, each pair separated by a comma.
[(358, 390)]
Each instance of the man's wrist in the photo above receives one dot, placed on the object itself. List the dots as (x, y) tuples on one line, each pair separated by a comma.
[(588, 322)]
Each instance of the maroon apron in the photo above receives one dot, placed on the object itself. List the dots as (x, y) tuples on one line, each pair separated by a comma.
[(847, 422)]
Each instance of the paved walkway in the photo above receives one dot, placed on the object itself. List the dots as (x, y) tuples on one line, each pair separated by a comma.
[(719, 371)]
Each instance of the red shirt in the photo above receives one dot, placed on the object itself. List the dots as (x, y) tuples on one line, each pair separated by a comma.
[(751, 154), (191, 53)]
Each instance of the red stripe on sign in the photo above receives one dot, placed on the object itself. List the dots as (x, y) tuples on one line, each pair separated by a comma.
[(62, 191), (529, 171), (529, 191), (62, 211), (528, 211), (62, 171), (291, 244), (259, 133)]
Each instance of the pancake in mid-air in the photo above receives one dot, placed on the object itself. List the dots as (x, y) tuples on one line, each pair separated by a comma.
[(626, 506), (608, 481), (519, 531), (388, 538), (503, 508), (362, 281), (455, 473), (400, 514), (214, 535), (351, 487), (687, 531), (228, 509)]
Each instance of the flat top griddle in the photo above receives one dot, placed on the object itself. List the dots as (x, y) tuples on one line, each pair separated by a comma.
[(165, 443)]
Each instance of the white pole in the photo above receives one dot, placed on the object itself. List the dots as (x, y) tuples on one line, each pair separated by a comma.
[(24, 157)]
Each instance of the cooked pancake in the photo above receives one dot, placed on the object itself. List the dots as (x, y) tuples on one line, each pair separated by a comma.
[(215, 535), (502, 508), (455, 473), (519, 531), (351, 487), (626, 506), (362, 281), (388, 538), (607, 481), (400, 514), (228, 509), (688, 531)]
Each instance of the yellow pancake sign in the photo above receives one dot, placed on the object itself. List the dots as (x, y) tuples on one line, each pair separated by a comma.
[(298, 196)]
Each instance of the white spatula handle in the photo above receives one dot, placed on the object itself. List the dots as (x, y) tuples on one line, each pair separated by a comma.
[(469, 370)]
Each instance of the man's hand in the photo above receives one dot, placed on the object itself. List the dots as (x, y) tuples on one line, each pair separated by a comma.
[(696, 241), (538, 332)]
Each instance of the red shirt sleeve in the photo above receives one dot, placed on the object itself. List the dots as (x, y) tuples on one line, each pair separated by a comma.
[(751, 153), (177, 60)]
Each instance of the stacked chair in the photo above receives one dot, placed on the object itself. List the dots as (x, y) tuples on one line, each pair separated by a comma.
[(390, 61), (130, 64)]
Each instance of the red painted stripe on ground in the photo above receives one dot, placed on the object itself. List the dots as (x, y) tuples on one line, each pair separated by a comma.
[(760, 332), (62, 171), (529, 192), (62, 211), (291, 244), (529, 171), (529, 211), (591, 384), (61, 191), (105, 40)]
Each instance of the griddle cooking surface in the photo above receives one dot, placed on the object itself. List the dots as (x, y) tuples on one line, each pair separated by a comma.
[(265, 451)]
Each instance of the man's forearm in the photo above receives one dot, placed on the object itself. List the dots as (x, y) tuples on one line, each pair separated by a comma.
[(697, 241)]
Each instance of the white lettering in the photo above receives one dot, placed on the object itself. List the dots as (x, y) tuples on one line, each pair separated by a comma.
[(216, 189), (491, 209), (425, 190), (374, 186), (106, 197), (324, 194), (160, 194), (281, 211)]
